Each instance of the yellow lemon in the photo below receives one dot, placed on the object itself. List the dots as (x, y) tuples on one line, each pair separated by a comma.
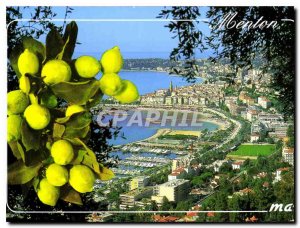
[(87, 66), (14, 123), (82, 178), (47, 193), (62, 152), (24, 84), (56, 71), (57, 175), (112, 61), (128, 94), (72, 109), (28, 62), (110, 84), (17, 102), (37, 116)]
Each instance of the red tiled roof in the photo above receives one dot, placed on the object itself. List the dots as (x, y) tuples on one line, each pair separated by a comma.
[(179, 169), (266, 184), (253, 219), (253, 112), (246, 190), (172, 218), (288, 150), (238, 163), (283, 169), (158, 218), (162, 220), (191, 214), (210, 214)]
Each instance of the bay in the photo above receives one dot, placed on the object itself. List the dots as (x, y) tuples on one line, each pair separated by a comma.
[(149, 81)]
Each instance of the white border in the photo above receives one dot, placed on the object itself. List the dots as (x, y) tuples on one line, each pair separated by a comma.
[(116, 212)]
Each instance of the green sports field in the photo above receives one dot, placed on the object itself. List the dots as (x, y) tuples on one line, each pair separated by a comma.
[(253, 150)]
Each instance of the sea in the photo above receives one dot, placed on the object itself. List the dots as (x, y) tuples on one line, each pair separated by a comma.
[(148, 82)]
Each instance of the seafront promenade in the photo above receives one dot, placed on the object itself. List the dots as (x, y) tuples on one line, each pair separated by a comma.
[(155, 151)]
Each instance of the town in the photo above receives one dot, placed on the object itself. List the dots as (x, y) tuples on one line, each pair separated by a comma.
[(245, 165)]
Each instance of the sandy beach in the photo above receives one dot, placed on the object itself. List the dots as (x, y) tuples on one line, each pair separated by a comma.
[(205, 117)]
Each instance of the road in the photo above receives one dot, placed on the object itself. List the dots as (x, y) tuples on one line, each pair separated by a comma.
[(234, 133)]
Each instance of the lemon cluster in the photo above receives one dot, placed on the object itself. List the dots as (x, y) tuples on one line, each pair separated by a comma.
[(110, 83), (61, 172), (33, 102), (21, 104)]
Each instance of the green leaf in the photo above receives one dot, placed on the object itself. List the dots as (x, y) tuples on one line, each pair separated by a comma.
[(70, 38), (95, 100), (18, 173), (58, 130), (54, 44), (61, 54), (79, 157), (76, 92), (91, 158), (77, 120), (13, 59), (71, 196), (17, 152), (21, 150), (76, 133), (34, 46), (35, 183), (88, 161), (30, 138), (33, 157)]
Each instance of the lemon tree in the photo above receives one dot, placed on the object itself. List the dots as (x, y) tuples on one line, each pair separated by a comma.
[(49, 123)]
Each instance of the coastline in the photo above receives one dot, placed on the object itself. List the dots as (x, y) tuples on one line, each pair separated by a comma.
[(157, 71), (204, 116)]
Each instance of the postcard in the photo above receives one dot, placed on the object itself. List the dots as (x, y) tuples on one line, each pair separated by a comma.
[(182, 114)]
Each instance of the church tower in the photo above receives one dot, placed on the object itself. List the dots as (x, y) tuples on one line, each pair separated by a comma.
[(171, 87)]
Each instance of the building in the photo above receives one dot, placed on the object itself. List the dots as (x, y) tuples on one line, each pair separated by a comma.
[(217, 164), (288, 155), (279, 172), (264, 102), (252, 115), (129, 199), (269, 118), (138, 182), (162, 218), (244, 191), (180, 162), (100, 217), (178, 173), (234, 109), (244, 114), (174, 191), (237, 165), (257, 127), (254, 137)]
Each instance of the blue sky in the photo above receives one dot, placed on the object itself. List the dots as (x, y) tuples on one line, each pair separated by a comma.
[(144, 39)]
